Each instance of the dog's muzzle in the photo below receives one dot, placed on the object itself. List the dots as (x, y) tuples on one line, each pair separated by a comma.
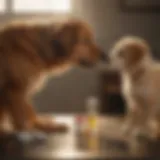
[(103, 57), (86, 63)]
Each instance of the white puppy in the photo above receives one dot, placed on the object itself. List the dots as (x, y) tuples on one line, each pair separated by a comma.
[(140, 85)]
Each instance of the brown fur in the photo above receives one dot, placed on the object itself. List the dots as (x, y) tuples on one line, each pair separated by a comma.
[(133, 54), (136, 53), (29, 51)]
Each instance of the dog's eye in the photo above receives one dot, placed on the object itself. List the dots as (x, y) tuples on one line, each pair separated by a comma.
[(86, 41), (121, 53)]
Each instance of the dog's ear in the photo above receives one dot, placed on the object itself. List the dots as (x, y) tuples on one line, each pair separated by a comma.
[(136, 53), (67, 35), (58, 48)]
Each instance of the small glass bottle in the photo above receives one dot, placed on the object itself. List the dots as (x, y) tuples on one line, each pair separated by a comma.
[(92, 114)]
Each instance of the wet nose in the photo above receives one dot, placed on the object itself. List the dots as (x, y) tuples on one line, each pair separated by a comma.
[(104, 57)]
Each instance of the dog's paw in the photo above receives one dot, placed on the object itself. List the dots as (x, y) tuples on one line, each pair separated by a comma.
[(154, 130), (137, 133), (47, 125), (154, 135), (141, 134)]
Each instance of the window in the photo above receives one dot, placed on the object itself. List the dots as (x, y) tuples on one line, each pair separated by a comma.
[(30, 6), (2, 5)]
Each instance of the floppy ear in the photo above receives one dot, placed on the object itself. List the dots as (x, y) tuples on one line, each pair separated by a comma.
[(67, 35), (52, 48), (136, 53), (64, 39), (58, 48)]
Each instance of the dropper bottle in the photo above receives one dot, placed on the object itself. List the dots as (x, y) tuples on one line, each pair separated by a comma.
[(92, 114)]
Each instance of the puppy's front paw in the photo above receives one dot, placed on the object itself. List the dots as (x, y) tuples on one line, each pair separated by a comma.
[(141, 134), (155, 134), (154, 129), (47, 125)]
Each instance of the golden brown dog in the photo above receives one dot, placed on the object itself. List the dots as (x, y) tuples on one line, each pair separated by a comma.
[(141, 88), (30, 52)]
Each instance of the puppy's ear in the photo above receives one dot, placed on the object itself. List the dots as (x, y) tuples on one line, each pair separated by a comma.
[(136, 53)]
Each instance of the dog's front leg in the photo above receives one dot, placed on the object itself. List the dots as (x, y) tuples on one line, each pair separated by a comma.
[(142, 119), (131, 118), (24, 117), (154, 122), (129, 121), (142, 128)]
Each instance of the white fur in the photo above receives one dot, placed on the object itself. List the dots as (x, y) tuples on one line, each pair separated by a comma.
[(142, 95), (143, 99)]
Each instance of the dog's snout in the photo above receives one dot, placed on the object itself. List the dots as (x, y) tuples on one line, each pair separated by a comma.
[(86, 63), (103, 56)]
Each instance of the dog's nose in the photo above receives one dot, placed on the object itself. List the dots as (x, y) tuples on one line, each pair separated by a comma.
[(86, 63), (104, 56)]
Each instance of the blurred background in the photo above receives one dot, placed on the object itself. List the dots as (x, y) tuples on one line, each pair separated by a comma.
[(110, 20)]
